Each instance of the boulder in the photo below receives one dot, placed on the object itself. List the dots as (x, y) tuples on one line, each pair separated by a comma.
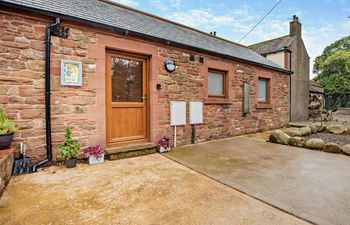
[(314, 143), (321, 128), (305, 131), (293, 132), (296, 141), (346, 149), (332, 148), (313, 128), (335, 129), (347, 131), (278, 136)]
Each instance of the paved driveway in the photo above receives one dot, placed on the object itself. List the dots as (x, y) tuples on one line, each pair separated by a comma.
[(310, 184), (143, 190)]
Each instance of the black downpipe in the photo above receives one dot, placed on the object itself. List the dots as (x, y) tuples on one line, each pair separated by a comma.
[(193, 136), (47, 95)]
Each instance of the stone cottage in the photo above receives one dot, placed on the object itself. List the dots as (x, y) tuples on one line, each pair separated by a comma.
[(289, 52), (125, 88)]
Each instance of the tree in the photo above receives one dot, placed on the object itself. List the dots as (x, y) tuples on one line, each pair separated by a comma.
[(342, 44), (333, 67), (335, 73)]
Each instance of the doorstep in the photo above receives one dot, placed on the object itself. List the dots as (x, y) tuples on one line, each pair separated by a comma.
[(129, 151)]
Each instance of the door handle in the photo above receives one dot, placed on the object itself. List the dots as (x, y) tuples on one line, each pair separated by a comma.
[(144, 98)]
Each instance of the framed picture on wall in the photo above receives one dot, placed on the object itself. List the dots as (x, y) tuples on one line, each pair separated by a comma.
[(71, 73)]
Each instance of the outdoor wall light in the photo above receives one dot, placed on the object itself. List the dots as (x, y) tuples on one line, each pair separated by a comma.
[(170, 65)]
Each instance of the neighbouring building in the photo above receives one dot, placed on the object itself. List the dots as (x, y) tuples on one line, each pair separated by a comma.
[(316, 100), (124, 92), (289, 52), (317, 89)]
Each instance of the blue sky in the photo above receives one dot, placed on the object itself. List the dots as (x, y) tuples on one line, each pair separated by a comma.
[(324, 21)]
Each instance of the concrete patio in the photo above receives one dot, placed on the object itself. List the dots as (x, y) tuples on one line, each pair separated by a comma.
[(309, 184), (144, 190)]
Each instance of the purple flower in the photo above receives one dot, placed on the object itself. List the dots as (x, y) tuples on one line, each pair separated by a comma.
[(164, 142), (96, 151)]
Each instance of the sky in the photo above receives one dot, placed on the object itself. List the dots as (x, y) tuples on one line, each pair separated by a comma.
[(323, 21)]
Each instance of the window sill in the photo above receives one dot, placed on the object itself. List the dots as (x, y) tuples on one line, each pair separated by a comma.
[(217, 101), (262, 105)]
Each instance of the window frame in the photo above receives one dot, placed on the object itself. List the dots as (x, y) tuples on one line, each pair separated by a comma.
[(224, 73), (268, 91)]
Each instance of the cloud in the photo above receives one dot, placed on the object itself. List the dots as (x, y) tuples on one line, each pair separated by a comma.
[(235, 23), (268, 29), (201, 18), (238, 20), (244, 13), (159, 4), (176, 3), (127, 2), (164, 5), (317, 38), (341, 2)]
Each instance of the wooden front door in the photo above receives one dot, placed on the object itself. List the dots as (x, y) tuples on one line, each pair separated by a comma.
[(126, 88)]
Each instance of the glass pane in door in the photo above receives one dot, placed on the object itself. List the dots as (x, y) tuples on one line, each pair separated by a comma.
[(126, 80)]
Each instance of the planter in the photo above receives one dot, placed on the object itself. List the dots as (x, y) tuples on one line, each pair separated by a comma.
[(163, 149), (6, 140), (96, 160), (71, 163)]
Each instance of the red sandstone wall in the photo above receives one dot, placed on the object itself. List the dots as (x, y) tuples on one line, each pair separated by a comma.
[(83, 108), (22, 82), (189, 82)]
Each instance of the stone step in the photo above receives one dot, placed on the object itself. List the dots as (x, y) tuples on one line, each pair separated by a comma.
[(129, 151)]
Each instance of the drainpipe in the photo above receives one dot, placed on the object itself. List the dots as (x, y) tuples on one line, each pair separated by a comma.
[(48, 31)]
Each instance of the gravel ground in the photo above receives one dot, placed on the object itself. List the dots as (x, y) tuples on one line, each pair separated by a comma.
[(340, 139)]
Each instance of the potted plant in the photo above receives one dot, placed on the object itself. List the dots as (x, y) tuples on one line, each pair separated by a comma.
[(7, 128), (163, 145), (70, 149), (95, 151)]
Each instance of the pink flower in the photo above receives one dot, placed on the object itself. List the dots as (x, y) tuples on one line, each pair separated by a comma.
[(96, 151), (164, 142)]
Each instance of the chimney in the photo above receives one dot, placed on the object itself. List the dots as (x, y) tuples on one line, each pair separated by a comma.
[(295, 27)]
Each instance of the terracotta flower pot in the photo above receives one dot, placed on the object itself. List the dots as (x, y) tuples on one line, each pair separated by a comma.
[(71, 163), (6, 140)]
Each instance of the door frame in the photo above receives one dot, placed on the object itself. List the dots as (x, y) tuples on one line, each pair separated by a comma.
[(145, 70)]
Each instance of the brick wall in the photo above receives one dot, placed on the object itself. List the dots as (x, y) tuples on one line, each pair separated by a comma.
[(226, 118), (22, 82), (83, 108)]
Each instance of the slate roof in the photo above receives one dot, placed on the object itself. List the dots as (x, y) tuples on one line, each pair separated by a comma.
[(274, 45), (116, 16)]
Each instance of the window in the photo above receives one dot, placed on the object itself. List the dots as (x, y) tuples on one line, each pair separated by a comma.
[(263, 95), (216, 83)]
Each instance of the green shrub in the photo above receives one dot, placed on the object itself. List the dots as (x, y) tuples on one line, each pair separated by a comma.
[(70, 147), (6, 124)]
